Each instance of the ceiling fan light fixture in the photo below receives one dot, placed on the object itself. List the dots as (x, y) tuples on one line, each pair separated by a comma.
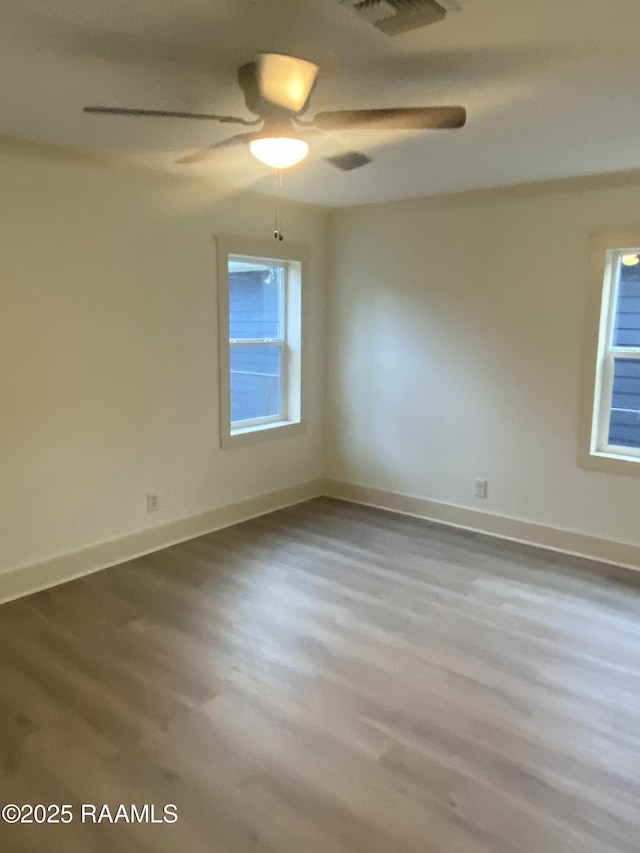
[(279, 152), (285, 80)]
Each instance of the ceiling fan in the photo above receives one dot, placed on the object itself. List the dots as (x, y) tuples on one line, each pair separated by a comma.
[(277, 88)]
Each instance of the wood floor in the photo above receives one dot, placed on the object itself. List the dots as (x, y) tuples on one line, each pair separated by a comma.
[(328, 679)]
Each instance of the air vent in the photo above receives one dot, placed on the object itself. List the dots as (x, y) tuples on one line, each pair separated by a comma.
[(349, 160), (400, 16)]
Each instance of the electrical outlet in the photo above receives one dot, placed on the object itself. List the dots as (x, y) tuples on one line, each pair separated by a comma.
[(152, 501), (480, 488)]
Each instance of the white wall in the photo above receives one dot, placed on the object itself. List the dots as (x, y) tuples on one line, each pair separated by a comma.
[(456, 336), (454, 346), (108, 355)]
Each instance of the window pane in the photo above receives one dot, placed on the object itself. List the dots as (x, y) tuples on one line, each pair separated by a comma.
[(626, 331), (255, 382), (624, 427), (255, 291)]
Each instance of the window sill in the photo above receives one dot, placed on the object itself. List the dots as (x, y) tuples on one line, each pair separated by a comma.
[(609, 463), (260, 432)]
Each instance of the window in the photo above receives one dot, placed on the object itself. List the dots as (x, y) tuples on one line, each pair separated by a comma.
[(614, 440), (260, 305)]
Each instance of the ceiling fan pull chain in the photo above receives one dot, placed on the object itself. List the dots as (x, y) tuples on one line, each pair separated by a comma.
[(277, 230)]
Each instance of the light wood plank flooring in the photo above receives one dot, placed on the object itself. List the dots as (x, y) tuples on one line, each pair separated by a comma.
[(329, 679)]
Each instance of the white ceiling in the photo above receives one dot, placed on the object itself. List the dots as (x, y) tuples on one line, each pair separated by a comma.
[(552, 88)]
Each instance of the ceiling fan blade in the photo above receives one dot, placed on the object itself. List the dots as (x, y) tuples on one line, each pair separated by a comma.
[(126, 111), (285, 80), (198, 156), (203, 154), (402, 118), (238, 139)]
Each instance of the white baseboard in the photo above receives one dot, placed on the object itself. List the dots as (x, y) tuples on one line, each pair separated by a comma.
[(25, 580), (607, 551)]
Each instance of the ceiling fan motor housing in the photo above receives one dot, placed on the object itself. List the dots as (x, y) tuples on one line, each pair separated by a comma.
[(256, 104)]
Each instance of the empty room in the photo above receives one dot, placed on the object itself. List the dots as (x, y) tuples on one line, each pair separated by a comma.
[(320, 426)]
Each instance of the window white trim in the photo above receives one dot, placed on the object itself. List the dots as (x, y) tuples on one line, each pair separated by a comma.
[(292, 341), (600, 354)]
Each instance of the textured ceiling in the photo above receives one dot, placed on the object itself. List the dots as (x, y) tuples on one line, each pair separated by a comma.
[(552, 89)]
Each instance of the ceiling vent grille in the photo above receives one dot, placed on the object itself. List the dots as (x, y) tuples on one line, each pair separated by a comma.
[(400, 16)]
